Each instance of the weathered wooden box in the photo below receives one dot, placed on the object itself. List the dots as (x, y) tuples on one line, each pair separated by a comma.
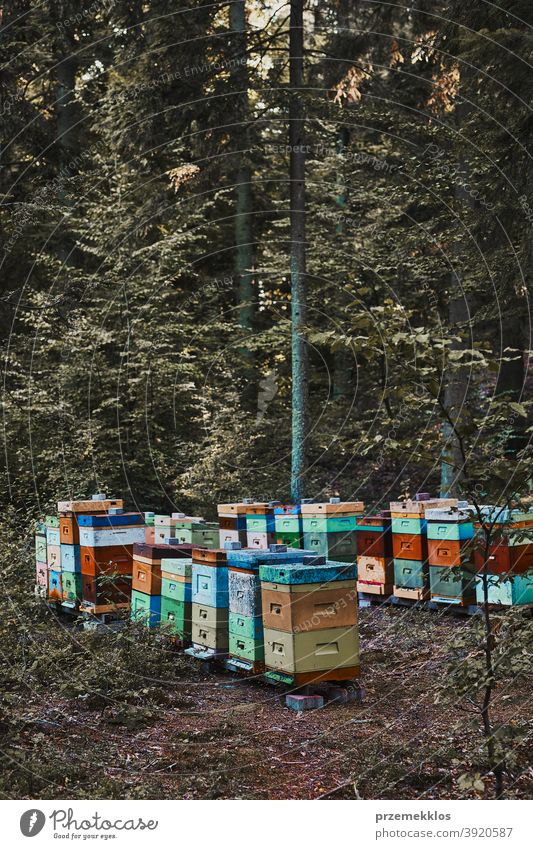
[(451, 582), (145, 609), (210, 638), (244, 593), (106, 590), (410, 573), (245, 626), (99, 537), (310, 651), (70, 558), (72, 587), (378, 570), (146, 579), (177, 589), (246, 648), (69, 533), (210, 617), (53, 557), (40, 548), (301, 573), (210, 585), (113, 559), (409, 546), (319, 609), (176, 618), (55, 587)]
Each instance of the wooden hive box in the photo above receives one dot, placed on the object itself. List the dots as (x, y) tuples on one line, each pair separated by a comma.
[(312, 651), (335, 607)]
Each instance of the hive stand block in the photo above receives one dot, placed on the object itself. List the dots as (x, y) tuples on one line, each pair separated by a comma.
[(299, 702), (341, 692)]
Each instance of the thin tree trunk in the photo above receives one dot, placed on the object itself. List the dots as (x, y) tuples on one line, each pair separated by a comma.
[(298, 253), (243, 225), (455, 393), (495, 765), (342, 360), (67, 141), (456, 387), (512, 374)]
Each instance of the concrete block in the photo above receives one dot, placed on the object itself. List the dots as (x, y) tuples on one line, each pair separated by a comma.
[(300, 703)]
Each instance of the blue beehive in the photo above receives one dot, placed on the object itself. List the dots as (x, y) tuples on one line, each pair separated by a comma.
[(253, 559), (307, 573), (110, 520), (210, 585), (70, 558)]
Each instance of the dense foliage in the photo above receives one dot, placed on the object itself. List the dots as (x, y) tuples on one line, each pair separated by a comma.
[(132, 362), (144, 248)]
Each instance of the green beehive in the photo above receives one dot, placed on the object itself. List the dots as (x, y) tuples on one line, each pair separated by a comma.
[(336, 545), (177, 590), (245, 626), (259, 524), (72, 587), (181, 566), (203, 535), (52, 521), (176, 617), (291, 540), (246, 647), (40, 549), (408, 525), (515, 590), (288, 525), (410, 574), (329, 524), (451, 581)]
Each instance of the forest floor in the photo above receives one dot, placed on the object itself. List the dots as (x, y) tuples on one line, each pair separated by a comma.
[(218, 736)]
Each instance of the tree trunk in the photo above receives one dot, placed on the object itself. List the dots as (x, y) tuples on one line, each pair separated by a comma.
[(456, 386), (243, 230), (342, 359), (298, 253), (512, 375), (67, 141), (455, 393)]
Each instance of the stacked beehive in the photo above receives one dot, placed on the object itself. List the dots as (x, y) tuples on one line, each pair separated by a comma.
[(180, 529), (246, 646), (450, 533), (375, 564), (288, 524), (59, 549), (41, 563), (147, 579), (232, 523), (410, 547), (149, 527), (176, 597), (209, 603), (260, 524), (310, 621), (329, 528), (53, 558), (510, 557), (106, 536)]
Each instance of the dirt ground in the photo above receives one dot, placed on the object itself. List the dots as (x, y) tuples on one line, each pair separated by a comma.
[(219, 736)]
